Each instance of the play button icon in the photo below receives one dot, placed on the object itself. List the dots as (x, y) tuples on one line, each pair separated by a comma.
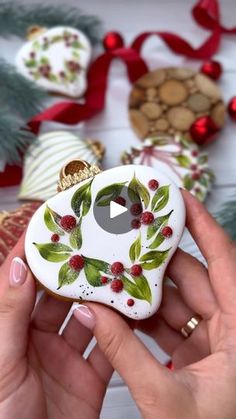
[(113, 217), (116, 209)]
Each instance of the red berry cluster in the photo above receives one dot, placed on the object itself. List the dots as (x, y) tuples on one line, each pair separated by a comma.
[(145, 217), (55, 238), (76, 262), (68, 223)]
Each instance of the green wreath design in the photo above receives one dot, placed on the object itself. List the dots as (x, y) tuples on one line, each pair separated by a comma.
[(137, 287)]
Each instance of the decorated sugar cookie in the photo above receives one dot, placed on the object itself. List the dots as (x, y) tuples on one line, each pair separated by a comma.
[(169, 100), (179, 158), (80, 249), (57, 60), (47, 155)]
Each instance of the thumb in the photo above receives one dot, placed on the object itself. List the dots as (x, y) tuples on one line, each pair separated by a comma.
[(17, 298), (123, 349)]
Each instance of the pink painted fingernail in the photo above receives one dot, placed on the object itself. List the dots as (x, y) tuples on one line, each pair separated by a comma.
[(18, 272), (85, 316)]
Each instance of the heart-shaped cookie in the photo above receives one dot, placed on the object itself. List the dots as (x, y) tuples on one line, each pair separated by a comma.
[(74, 256), (57, 60)]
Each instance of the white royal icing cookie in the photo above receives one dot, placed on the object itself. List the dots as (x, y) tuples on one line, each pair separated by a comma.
[(57, 60), (179, 158), (75, 256), (46, 156)]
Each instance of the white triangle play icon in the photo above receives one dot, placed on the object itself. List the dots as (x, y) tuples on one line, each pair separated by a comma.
[(116, 209)]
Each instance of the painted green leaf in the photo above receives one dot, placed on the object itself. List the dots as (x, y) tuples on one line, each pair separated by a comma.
[(159, 141), (31, 63), (66, 276), (54, 252), (203, 181), (92, 274), (44, 60), (100, 265), (154, 259), (203, 159), (186, 143), (210, 174), (136, 191), (76, 44), (108, 194), (188, 182), (160, 198), (157, 241), (52, 221), (184, 161), (200, 195), (157, 224), (82, 194), (139, 289), (76, 237), (135, 249)]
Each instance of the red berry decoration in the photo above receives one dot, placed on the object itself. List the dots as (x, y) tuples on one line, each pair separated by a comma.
[(135, 223), (212, 69), (55, 238), (203, 130), (130, 302), (167, 231), (117, 285), (68, 223), (153, 184), (196, 175), (136, 209), (147, 218), (104, 280), (136, 270), (117, 268), (112, 41), (232, 108), (120, 200), (76, 262), (194, 153)]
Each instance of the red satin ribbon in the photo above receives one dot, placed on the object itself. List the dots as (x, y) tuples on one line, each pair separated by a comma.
[(206, 13)]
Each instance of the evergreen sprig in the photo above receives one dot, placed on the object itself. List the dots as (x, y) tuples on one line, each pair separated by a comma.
[(227, 217), (16, 18), (22, 96), (13, 139)]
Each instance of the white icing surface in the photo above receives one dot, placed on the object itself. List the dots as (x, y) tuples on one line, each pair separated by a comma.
[(44, 159), (57, 55), (99, 244)]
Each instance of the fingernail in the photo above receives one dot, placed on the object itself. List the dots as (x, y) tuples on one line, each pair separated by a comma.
[(18, 272), (85, 316)]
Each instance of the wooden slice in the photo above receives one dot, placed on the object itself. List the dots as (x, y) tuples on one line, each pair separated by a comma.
[(151, 110), (181, 118), (180, 73), (198, 102), (139, 123), (162, 124), (151, 93), (137, 96), (152, 79), (218, 114), (173, 92), (207, 87)]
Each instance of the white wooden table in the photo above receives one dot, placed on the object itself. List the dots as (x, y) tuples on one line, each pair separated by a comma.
[(131, 17)]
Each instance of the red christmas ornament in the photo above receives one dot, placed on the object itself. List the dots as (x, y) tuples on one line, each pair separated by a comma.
[(112, 41), (203, 130), (212, 69), (232, 108)]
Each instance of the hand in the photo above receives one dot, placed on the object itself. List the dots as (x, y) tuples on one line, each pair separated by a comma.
[(202, 386), (43, 375)]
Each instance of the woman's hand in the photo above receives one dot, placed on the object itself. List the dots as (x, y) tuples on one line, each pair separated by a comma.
[(203, 384), (43, 375)]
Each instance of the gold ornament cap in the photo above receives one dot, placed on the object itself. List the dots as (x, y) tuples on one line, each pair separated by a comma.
[(75, 171), (33, 32)]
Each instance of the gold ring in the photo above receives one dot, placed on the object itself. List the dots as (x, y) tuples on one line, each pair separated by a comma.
[(188, 329)]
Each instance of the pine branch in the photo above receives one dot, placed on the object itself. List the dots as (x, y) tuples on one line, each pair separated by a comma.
[(227, 218), (19, 94), (13, 139), (16, 18)]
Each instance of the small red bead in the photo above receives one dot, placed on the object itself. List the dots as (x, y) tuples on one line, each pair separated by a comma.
[(135, 223), (68, 222), (166, 231), (136, 209), (196, 175), (212, 69), (153, 184), (232, 108), (193, 167), (194, 153), (117, 268), (76, 262), (136, 270), (130, 302), (112, 41), (55, 238), (147, 218), (117, 285), (120, 200), (104, 280)]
